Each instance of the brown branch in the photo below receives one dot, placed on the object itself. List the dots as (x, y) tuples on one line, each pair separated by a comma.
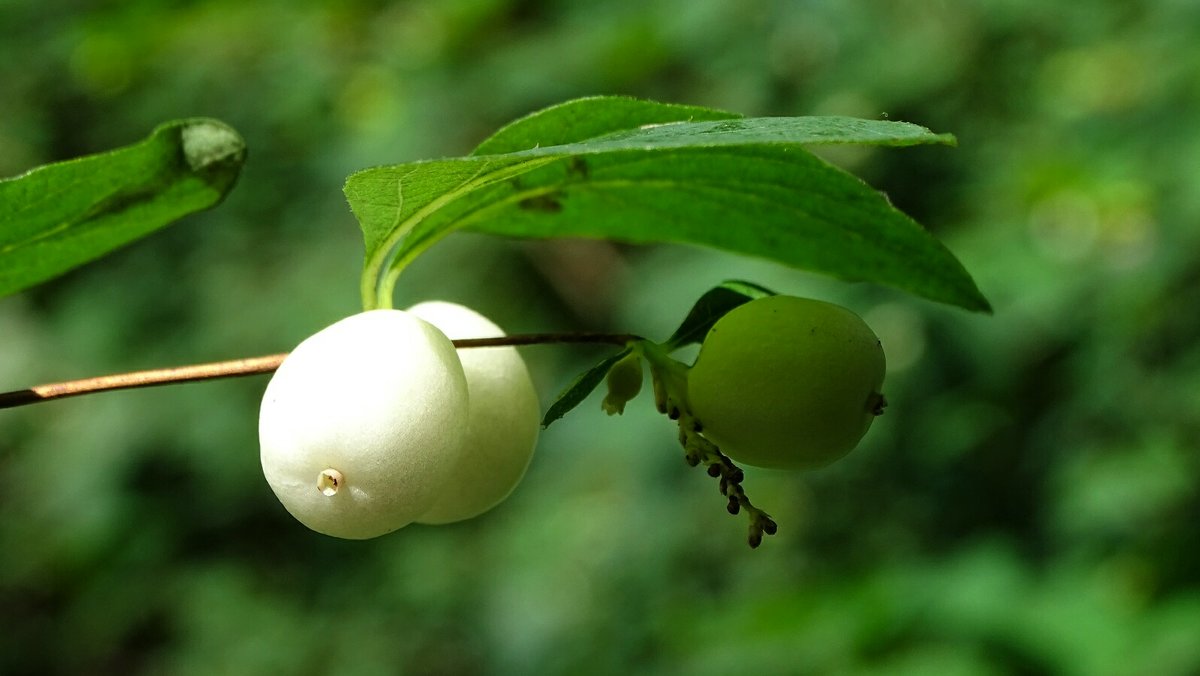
[(124, 381), (249, 366)]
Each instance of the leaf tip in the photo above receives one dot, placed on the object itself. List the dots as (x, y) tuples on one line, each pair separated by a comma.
[(208, 142)]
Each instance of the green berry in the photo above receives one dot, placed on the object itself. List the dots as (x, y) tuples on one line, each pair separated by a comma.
[(787, 383)]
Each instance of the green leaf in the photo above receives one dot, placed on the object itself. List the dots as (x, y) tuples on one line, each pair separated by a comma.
[(712, 306), (748, 131), (583, 119), (580, 388), (741, 185), (59, 216)]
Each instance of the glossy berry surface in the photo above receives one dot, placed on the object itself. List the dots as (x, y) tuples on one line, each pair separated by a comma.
[(362, 424), (503, 421), (787, 383)]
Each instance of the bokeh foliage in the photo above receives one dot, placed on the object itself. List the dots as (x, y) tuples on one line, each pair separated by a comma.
[(1027, 504)]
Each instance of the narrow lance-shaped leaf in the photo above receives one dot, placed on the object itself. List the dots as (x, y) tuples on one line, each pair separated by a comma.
[(59, 216), (580, 388), (710, 307)]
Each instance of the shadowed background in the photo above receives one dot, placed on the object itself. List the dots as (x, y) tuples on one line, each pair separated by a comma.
[(1027, 505)]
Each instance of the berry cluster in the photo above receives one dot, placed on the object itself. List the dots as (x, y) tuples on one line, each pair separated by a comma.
[(377, 422)]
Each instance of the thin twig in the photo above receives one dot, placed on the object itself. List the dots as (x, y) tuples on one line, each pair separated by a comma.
[(249, 366)]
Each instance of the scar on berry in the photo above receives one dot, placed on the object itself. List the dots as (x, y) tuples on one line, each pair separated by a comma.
[(879, 405), (328, 482)]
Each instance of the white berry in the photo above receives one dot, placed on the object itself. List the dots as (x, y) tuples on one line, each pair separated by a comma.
[(504, 417), (362, 424)]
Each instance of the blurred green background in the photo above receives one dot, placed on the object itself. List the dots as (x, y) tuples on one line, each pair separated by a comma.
[(1029, 504)]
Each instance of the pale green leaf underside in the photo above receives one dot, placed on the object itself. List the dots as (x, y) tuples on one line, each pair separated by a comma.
[(742, 185), (582, 119), (59, 216)]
